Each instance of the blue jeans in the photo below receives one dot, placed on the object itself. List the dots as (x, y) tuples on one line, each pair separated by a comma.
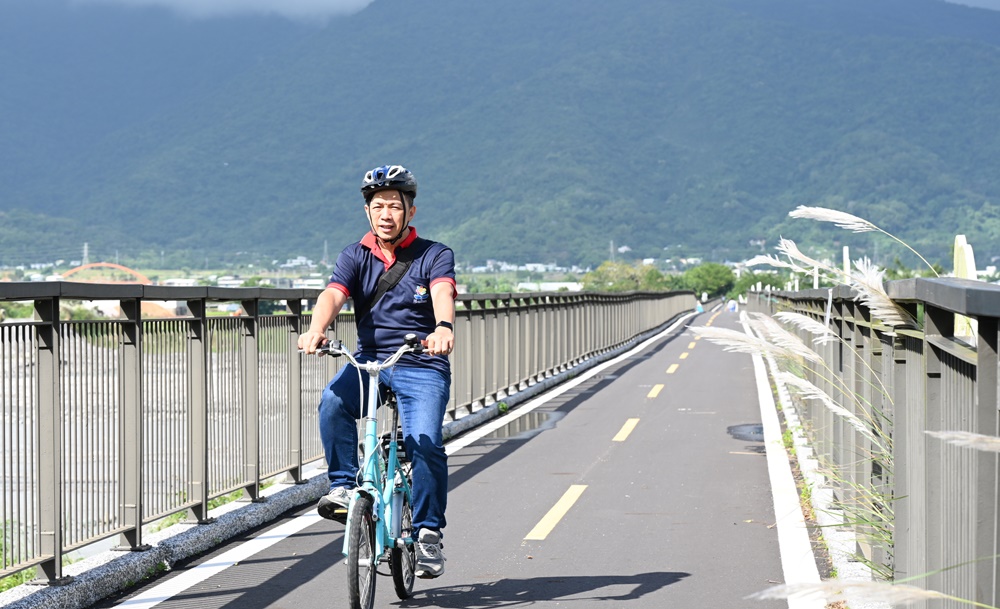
[(422, 395)]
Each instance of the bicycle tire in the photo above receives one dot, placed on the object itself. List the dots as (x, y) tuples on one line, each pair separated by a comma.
[(361, 567), (403, 561)]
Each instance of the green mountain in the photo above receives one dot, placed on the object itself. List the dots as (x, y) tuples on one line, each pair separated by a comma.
[(539, 130)]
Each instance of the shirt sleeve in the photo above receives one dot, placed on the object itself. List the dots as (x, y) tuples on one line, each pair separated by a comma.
[(443, 268), (345, 272)]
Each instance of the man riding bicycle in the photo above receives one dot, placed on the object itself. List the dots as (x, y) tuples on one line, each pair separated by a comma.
[(400, 284)]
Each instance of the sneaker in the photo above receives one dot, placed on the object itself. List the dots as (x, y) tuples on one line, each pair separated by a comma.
[(430, 559), (333, 505)]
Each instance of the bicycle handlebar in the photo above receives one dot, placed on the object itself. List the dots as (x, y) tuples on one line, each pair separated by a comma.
[(337, 348)]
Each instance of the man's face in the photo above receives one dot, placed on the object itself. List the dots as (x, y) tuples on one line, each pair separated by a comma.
[(387, 213)]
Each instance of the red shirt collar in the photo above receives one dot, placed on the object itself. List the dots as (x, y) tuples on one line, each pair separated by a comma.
[(369, 241)]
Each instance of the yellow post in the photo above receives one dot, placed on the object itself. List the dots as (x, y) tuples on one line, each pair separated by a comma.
[(965, 268)]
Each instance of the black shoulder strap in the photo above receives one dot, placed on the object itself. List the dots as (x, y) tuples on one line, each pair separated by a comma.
[(404, 258)]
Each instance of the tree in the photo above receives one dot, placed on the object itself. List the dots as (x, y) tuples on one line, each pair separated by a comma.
[(715, 279), (751, 279), (612, 277), (624, 277)]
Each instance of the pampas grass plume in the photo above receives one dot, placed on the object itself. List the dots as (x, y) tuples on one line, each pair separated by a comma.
[(835, 590), (968, 439)]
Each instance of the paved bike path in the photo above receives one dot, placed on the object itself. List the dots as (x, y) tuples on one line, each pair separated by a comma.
[(672, 503), (678, 514)]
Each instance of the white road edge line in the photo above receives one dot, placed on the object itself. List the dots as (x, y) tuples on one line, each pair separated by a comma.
[(171, 588), (177, 585), (798, 563)]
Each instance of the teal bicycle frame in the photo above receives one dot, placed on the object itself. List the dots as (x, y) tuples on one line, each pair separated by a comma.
[(381, 474), (375, 482)]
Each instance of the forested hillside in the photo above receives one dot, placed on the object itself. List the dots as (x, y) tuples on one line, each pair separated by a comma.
[(539, 130)]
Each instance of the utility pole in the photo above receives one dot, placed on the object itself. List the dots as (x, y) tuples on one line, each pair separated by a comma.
[(86, 253)]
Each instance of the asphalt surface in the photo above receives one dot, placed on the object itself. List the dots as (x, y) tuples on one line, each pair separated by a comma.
[(663, 455)]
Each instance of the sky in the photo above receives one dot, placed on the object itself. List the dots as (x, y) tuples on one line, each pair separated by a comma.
[(292, 9), (312, 9)]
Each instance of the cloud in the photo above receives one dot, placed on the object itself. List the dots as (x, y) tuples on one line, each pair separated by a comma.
[(292, 9), (990, 4)]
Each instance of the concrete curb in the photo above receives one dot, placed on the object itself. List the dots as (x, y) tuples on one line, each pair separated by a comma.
[(111, 572), (840, 540)]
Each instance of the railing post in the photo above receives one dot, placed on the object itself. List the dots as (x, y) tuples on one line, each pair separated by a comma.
[(132, 457), (492, 350), (520, 343), (461, 363), (294, 391), (479, 356), (562, 333), (987, 423), (50, 443), (197, 354), (862, 462), (937, 322), (506, 370), (834, 436), (908, 464), (250, 388)]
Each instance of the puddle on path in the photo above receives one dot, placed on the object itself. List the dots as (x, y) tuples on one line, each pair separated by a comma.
[(750, 432), (527, 425)]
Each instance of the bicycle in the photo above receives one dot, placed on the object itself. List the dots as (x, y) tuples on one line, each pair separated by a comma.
[(379, 517)]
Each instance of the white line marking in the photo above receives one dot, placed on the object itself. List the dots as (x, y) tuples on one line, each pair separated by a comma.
[(167, 590), (798, 563)]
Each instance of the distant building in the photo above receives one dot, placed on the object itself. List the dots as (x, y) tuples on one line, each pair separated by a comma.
[(311, 282), (229, 282), (183, 282), (549, 286)]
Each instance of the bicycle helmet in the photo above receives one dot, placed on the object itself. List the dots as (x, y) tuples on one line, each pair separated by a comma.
[(388, 177)]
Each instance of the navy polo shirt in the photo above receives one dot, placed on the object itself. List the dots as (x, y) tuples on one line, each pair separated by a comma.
[(406, 308)]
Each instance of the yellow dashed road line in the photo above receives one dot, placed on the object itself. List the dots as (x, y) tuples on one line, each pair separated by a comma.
[(691, 344), (672, 369), (684, 355), (626, 429), (550, 520), (655, 391)]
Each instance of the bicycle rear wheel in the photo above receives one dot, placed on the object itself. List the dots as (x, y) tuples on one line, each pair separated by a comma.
[(403, 561), (361, 566)]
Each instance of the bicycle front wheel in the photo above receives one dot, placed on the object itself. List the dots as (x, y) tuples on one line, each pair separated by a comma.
[(361, 555), (403, 561)]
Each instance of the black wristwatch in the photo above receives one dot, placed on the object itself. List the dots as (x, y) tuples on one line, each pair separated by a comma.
[(446, 324)]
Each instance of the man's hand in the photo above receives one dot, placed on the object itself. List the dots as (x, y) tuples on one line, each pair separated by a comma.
[(311, 340), (439, 342), (328, 305)]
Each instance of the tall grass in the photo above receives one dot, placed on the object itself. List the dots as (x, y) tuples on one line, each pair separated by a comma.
[(868, 511)]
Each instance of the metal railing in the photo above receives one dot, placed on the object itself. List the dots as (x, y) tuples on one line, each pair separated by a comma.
[(938, 500), (112, 424)]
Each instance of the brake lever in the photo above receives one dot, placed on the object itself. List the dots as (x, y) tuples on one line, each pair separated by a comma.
[(332, 349)]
